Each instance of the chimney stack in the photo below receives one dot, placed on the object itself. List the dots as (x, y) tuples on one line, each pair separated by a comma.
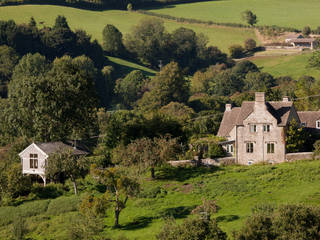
[(260, 102), (228, 107), (260, 97), (285, 99)]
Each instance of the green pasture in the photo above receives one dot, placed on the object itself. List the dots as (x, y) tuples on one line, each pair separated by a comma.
[(94, 21), (237, 189), (294, 65), (289, 13)]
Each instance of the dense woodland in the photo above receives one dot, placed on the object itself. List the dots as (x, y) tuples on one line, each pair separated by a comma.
[(57, 84)]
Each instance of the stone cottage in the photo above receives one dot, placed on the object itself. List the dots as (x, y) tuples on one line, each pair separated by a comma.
[(256, 131), (34, 157)]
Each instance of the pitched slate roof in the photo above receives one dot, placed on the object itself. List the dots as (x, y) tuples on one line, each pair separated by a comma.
[(302, 40), (309, 118), (228, 121), (280, 110), (55, 147)]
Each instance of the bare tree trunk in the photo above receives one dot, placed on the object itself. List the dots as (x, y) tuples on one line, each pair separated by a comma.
[(152, 173), (75, 187), (117, 211)]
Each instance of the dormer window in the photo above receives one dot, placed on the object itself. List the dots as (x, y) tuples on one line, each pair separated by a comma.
[(318, 124), (266, 127), (253, 128)]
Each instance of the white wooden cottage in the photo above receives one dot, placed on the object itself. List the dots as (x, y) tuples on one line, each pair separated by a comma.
[(34, 157)]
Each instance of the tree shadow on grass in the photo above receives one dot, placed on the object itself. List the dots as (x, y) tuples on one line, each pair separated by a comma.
[(227, 218), (177, 212), (139, 222), (183, 173)]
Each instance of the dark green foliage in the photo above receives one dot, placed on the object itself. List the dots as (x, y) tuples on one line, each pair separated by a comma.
[(40, 110), (236, 51), (250, 44), (192, 229), (169, 85), (257, 81), (296, 137), (8, 60), (316, 147), (249, 17), (112, 41), (287, 222), (215, 150), (306, 31), (51, 190), (131, 88), (61, 22)]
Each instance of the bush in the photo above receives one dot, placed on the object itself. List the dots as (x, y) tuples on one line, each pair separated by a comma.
[(63, 204), (250, 44), (216, 150), (236, 51), (153, 192), (192, 229), (287, 222), (316, 151), (49, 191)]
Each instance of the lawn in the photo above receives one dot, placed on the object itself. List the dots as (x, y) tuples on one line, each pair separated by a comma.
[(289, 13), (237, 189), (94, 21), (294, 65)]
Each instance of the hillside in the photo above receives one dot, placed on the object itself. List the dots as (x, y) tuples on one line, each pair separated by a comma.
[(237, 189), (294, 65), (287, 13), (94, 21)]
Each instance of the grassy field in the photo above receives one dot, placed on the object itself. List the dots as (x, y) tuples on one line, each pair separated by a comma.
[(94, 21), (289, 13), (237, 189), (294, 65)]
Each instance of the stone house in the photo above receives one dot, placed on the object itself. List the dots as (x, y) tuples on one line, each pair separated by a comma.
[(256, 131), (34, 157)]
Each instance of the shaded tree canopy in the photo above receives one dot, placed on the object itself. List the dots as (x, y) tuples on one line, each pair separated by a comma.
[(112, 40)]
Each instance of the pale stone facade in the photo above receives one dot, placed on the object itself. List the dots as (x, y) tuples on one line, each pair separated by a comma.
[(256, 131)]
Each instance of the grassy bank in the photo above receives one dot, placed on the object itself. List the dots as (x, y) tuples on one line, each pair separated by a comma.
[(237, 189), (287, 13), (294, 65)]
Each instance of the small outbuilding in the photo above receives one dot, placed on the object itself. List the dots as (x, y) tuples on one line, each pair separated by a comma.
[(34, 157)]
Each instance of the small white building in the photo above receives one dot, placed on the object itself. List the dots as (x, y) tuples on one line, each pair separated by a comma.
[(34, 157)]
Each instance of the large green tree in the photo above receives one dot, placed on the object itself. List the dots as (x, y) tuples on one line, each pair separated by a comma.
[(249, 17), (148, 41), (112, 40), (169, 85), (53, 103)]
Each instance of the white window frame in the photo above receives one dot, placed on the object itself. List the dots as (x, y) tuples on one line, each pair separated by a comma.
[(266, 127), (249, 147), (253, 128), (230, 148), (33, 160), (270, 147), (318, 124)]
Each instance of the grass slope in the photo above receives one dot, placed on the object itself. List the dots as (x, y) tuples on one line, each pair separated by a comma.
[(291, 65), (289, 13), (94, 21), (237, 190)]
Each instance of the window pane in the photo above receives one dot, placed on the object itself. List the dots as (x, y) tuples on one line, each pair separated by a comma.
[(31, 163), (36, 163)]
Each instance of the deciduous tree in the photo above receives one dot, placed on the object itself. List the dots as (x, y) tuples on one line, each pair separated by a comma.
[(249, 17)]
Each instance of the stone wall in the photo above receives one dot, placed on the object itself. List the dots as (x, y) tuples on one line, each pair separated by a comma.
[(290, 157)]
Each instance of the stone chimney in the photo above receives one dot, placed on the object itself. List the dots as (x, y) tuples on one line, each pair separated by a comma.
[(285, 99), (228, 107), (260, 101)]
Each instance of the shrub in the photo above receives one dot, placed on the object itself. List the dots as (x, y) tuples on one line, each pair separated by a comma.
[(129, 7), (216, 150), (286, 222), (49, 191), (19, 229), (316, 147), (63, 204), (236, 51), (250, 44)]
